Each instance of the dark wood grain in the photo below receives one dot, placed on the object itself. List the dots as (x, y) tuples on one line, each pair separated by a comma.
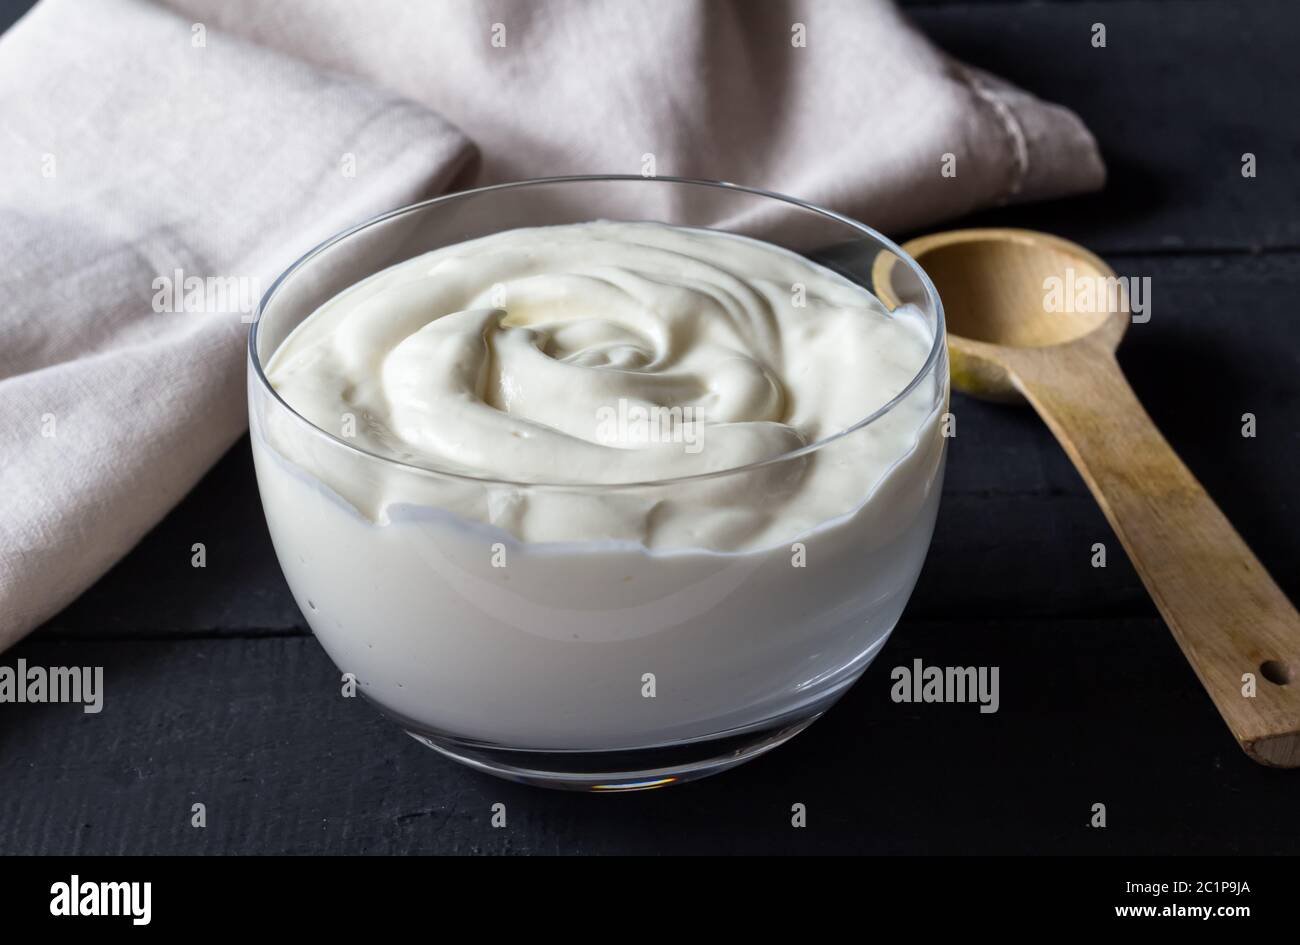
[(1092, 711), (1180, 92)]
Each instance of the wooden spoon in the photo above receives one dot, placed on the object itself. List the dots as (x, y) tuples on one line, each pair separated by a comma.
[(1224, 610)]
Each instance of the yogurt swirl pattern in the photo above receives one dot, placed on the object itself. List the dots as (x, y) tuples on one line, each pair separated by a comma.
[(606, 353)]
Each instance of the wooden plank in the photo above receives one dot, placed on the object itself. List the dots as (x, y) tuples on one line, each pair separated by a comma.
[(1178, 94), (1090, 712)]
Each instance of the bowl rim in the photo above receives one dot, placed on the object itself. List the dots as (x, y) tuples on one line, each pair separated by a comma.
[(937, 347)]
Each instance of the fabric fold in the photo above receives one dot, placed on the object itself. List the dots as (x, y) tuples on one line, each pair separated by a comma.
[(839, 102), (138, 155)]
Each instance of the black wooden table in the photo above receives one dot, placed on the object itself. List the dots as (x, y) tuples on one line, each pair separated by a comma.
[(217, 693)]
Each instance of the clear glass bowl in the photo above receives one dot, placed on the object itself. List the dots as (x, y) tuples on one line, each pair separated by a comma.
[(595, 665)]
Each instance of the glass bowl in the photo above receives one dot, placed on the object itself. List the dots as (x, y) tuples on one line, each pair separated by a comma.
[(597, 664)]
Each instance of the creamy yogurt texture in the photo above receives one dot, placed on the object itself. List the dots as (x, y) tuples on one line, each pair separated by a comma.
[(612, 353), (528, 615)]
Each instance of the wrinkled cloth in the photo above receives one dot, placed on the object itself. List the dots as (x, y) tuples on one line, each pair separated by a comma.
[(159, 167)]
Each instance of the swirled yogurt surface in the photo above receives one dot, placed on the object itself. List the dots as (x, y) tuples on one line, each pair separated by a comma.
[(611, 353)]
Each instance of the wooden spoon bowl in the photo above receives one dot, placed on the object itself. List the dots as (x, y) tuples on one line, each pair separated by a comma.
[(993, 294)]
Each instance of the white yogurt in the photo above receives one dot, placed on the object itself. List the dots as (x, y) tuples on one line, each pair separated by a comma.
[(519, 576)]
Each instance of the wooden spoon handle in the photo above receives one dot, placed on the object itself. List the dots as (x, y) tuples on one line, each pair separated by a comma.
[(1227, 614)]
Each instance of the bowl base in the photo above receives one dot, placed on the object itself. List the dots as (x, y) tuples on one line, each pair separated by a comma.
[(641, 769)]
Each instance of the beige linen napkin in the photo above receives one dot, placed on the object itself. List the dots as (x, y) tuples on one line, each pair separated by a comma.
[(841, 102), (139, 148), (129, 153)]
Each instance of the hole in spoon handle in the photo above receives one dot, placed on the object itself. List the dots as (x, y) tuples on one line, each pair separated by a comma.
[(1227, 614)]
